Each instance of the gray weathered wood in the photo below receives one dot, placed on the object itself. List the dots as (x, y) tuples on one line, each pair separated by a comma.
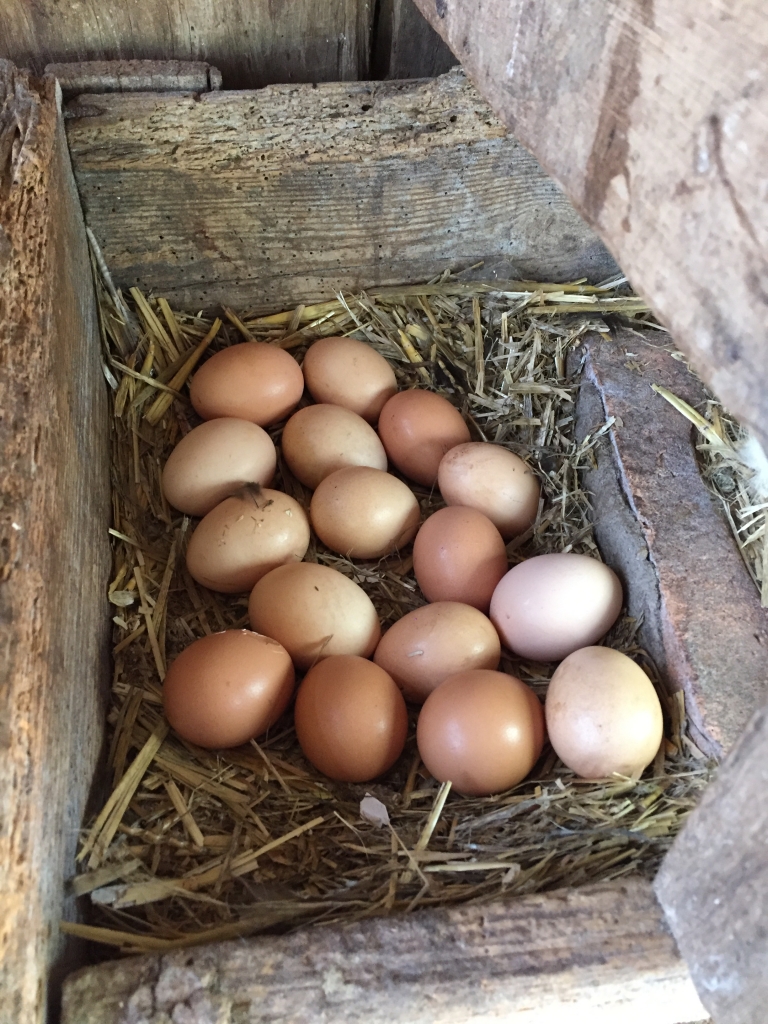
[(253, 42), (714, 885), (135, 76), (290, 193), (54, 556), (653, 116), (660, 527), (405, 45), (600, 954)]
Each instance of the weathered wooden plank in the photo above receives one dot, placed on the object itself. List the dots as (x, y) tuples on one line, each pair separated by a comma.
[(253, 42), (660, 527), (405, 45), (653, 116), (268, 198), (714, 885), (54, 557), (135, 76), (599, 954)]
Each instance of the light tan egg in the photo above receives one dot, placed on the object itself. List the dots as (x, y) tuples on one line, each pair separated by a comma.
[(364, 513), (227, 688), (351, 720), (603, 714), (320, 439), (459, 555), (494, 481), (550, 605), (342, 371), (246, 536), (417, 428), (482, 731), (214, 460), (252, 381), (314, 612), (431, 643)]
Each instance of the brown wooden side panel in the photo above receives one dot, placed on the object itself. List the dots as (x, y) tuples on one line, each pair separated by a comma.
[(600, 954), (54, 511), (653, 116), (405, 45), (252, 42), (288, 194)]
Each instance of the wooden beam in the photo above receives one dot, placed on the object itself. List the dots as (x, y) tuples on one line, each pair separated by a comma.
[(653, 117), (253, 42), (599, 954), (135, 76), (54, 555), (714, 885), (288, 194)]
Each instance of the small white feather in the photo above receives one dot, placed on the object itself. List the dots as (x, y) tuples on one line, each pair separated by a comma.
[(752, 455)]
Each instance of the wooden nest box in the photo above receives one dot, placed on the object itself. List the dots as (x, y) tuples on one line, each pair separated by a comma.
[(652, 120)]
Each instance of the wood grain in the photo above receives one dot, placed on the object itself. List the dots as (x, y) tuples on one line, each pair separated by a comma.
[(714, 885), (599, 954), (405, 45), (293, 192), (54, 508), (253, 42), (653, 117), (135, 76)]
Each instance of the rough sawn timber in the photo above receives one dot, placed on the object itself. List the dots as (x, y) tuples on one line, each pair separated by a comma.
[(660, 527), (54, 556), (601, 953), (264, 199), (653, 117), (719, 910), (253, 42)]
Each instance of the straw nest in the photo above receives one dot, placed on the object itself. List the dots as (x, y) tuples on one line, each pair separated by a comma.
[(192, 845)]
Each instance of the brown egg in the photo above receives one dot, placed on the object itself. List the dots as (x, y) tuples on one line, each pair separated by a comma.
[(603, 714), (246, 536), (431, 643), (314, 612), (459, 555), (253, 381), (214, 460), (342, 371), (494, 481), (364, 513), (320, 439), (350, 719), (550, 605), (227, 688), (417, 428), (483, 731)]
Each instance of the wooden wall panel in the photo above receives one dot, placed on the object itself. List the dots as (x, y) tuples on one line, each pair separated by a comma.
[(653, 117), (54, 551), (252, 42), (264, 199), (405, 45)]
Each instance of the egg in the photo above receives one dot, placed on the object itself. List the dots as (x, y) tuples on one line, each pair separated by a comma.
[(342, 371), (417, 428), (320, 439), (213, 461), (350, 718), (314, 612), (364, 513), (246, 536), (227, 688), (431, 643), (550, 605), (459, 555), (494, 481), (253, 381), (603, 714), (483, 731)]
